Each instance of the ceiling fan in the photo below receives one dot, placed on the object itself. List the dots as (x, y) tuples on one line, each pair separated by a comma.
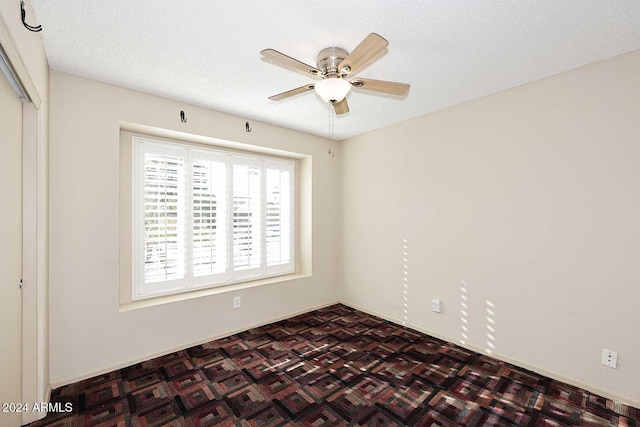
[(334, 66)]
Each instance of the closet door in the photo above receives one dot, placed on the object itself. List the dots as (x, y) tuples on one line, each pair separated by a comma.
[(10, 252)]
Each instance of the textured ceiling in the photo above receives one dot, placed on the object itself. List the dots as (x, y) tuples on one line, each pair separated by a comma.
[(451, 51)]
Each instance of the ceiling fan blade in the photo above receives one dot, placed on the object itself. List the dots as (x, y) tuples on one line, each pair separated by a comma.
[(341, 107), (290, 62), (370, 47), (291, 92), (383, 86)]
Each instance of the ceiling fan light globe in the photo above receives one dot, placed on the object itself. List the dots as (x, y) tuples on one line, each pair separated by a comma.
[(332, 90)]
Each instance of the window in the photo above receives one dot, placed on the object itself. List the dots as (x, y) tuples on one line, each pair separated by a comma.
[(208, 217)]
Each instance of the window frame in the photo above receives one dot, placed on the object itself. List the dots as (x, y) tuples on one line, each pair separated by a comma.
[(190, 282)]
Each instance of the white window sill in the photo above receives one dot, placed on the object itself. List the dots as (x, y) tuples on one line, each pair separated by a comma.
[(198, 293)]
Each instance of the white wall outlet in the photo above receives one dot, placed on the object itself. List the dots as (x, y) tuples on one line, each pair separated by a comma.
[(436, 305), (236, 302), (609, 358)]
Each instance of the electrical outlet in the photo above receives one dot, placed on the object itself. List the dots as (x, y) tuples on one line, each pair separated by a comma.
[(609, 358), (436, 305), (236, 302)]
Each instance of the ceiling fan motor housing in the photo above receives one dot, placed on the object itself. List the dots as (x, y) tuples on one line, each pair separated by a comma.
[(328, 60)]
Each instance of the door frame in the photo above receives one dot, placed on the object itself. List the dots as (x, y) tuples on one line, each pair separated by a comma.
[(35, 334)]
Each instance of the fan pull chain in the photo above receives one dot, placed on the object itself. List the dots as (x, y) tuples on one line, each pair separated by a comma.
[(331, 124), (331, 120)]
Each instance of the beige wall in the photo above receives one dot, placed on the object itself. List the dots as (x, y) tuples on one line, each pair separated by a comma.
[(527, 204), (89, 332)]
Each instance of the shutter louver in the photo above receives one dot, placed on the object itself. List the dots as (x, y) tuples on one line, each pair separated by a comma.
[(209, 196), (164, 228), (278, 215), (247, 217)]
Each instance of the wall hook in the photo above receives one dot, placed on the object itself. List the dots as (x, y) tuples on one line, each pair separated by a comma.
[(331, 153), (23, 14), (183, 118), (247, 127)]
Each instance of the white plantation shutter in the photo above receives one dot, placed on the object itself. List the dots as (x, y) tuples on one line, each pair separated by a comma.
[(247, 216), (278, 215), (162, 217), (209, 215), (206, 218)]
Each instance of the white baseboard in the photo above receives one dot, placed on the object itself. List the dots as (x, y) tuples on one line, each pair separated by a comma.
[(537, 369), (47, 398), (32, 416), (59, 382)]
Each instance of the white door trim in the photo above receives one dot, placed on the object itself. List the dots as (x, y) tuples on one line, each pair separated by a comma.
[(30, 313)]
